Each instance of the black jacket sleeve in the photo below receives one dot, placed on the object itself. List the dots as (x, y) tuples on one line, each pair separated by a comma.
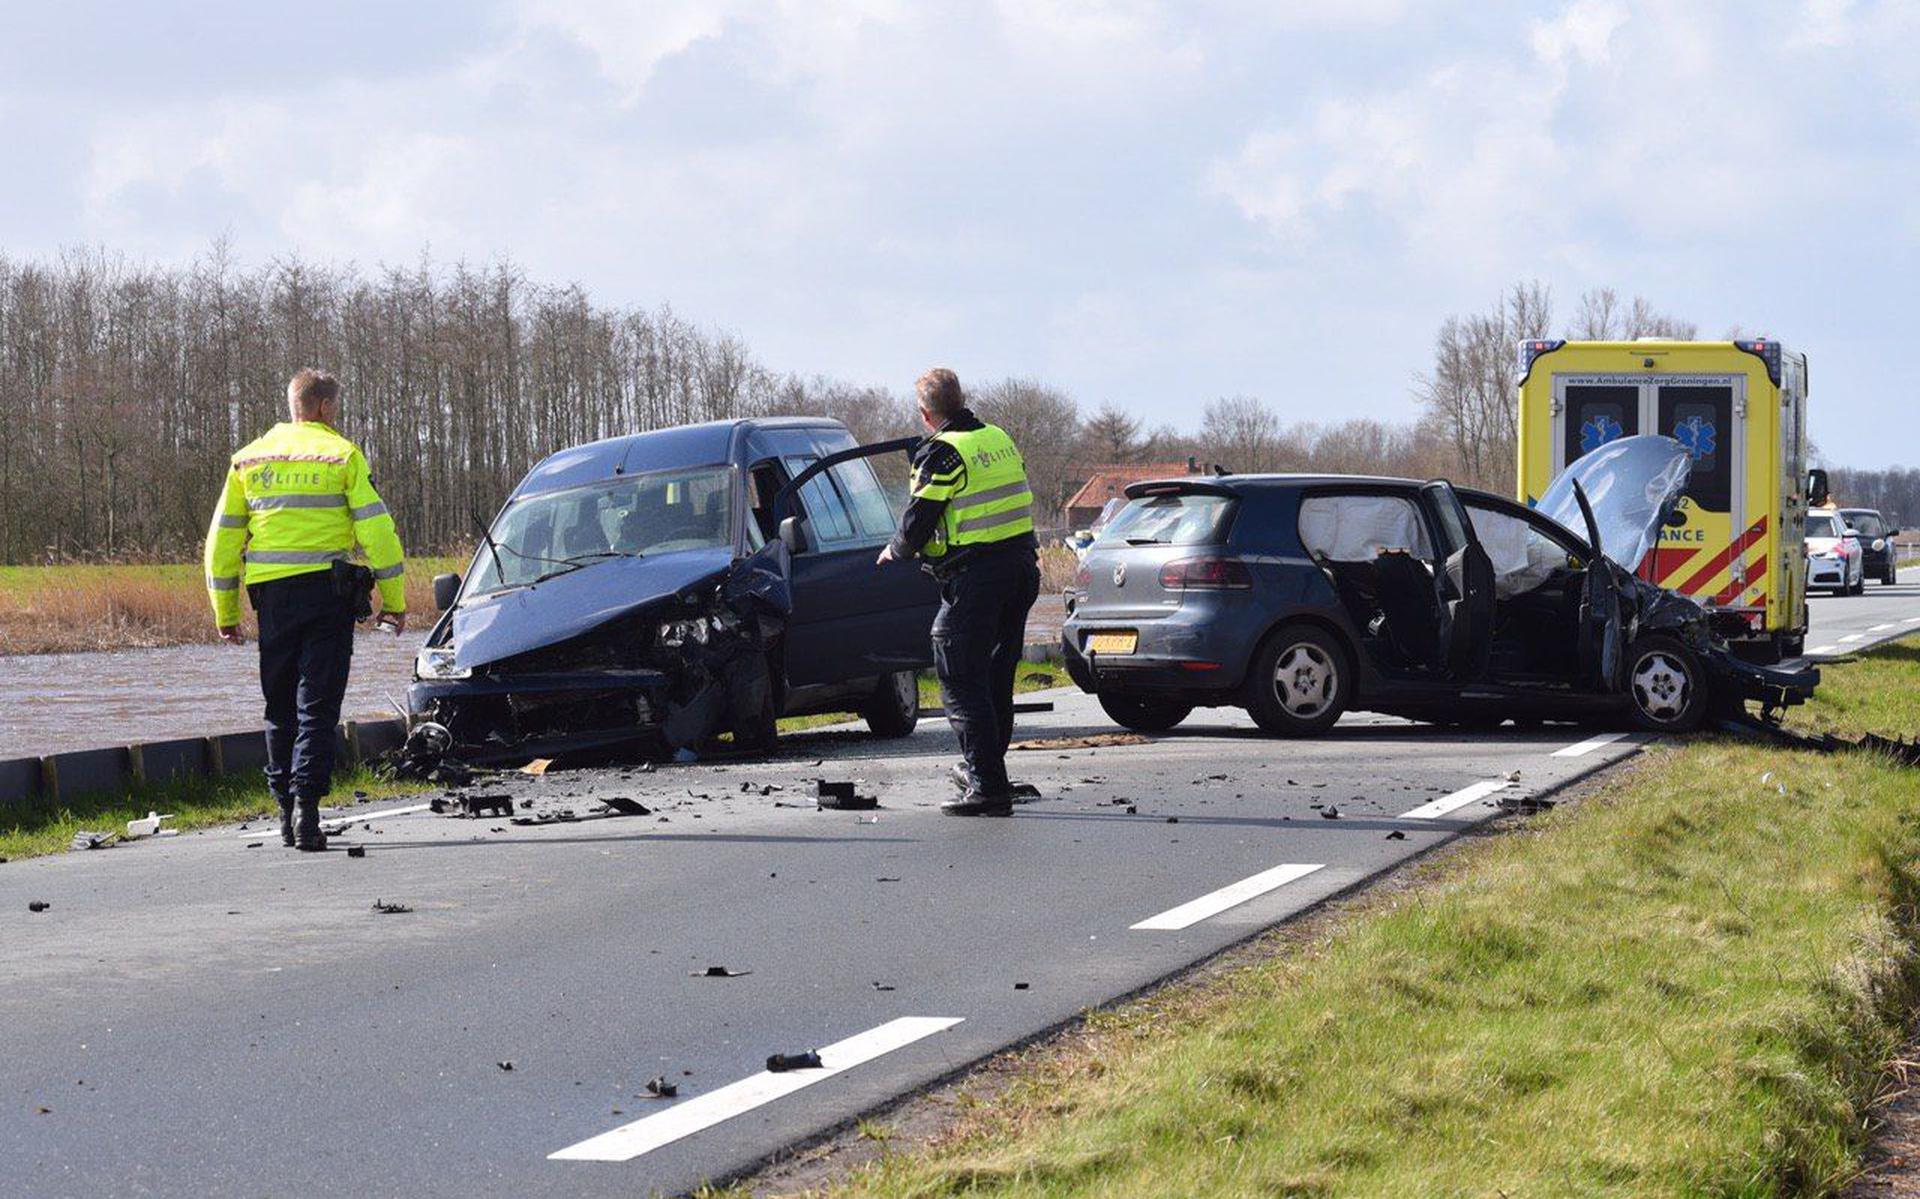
[(935, 467)]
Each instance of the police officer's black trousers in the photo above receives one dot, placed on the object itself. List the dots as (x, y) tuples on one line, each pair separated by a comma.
[(306, 648), (977, 638)]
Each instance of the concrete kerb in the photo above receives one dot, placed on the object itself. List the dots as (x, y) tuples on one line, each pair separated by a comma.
[(87, 772)]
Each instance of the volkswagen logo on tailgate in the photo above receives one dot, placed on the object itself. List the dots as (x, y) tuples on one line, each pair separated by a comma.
[(1120, 575)]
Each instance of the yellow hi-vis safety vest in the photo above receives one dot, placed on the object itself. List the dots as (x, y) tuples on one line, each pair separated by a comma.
[(295, 501), (987, 496)]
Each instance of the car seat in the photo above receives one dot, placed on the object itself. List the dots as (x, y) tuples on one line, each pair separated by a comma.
[(1406, 597)]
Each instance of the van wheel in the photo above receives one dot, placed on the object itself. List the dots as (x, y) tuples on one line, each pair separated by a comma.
[(1143, 714), (894, 707), (1667, 690), (1299, 683)]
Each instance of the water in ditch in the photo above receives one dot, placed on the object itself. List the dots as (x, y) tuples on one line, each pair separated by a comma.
[(51, 703)]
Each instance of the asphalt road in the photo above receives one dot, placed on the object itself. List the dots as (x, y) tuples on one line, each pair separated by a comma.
[(1838, 625), (215, 1016)]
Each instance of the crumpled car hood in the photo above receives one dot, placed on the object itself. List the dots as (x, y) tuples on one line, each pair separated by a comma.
[(1630, 483), (489, 628)]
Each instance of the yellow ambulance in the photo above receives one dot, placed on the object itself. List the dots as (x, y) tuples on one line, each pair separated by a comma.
[(1740, 409)]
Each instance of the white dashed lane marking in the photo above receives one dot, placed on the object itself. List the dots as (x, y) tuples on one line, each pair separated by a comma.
[(1850, 638), (1582, 748), (1823, 649), (1459, 799), (704, 1111), (1881, 628), (1215, 902)]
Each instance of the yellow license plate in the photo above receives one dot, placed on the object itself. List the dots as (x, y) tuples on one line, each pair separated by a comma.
[(1112, 643)]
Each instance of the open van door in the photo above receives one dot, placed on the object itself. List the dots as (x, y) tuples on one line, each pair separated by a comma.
[(1463, 578)]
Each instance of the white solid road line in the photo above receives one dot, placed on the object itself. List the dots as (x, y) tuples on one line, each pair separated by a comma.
[(704, 1111), (1582, 748), (1850, 638), (1881, 628), (1822, 649), (343, 821), (1216, 902), (1459, 799), (1911, 620)]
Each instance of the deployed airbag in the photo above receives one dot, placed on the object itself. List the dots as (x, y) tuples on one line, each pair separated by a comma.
[(1522, 559), (1355, 528)]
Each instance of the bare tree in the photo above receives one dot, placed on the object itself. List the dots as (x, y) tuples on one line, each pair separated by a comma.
[(1045, 423), (1110, 435)]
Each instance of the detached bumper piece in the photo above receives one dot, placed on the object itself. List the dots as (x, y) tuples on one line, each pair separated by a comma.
[(1774, 688)]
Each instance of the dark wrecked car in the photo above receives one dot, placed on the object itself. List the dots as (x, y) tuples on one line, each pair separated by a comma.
[(661, 589), (1299, 597)]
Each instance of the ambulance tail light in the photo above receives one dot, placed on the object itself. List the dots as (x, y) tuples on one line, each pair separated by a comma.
[(1533, 348)]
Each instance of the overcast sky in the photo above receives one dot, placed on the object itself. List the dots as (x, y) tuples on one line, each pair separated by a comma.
[(1153, 204)]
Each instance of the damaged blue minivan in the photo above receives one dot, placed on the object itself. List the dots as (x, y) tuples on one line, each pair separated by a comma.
[(662, 589)]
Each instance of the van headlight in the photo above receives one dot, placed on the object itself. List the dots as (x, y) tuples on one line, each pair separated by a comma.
[(437, 662), (679, 632)]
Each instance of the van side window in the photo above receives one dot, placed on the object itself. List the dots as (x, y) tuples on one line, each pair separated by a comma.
[(827, 515), (872, 514)]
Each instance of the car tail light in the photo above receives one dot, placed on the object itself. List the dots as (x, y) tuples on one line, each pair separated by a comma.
[(1206, 574), (1083, 577)]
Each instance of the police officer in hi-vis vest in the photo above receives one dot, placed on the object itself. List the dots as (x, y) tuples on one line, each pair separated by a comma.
[(971, 521), (295, 502)]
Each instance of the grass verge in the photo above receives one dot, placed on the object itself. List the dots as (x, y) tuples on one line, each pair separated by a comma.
[(1685, 985), (40, 827)]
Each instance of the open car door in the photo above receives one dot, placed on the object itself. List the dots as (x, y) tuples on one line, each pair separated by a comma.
[(1463, 579), (1601, 651)]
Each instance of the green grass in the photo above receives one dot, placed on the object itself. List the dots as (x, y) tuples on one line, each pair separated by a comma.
[(1685, 985), (41, 826), (1033, 676)]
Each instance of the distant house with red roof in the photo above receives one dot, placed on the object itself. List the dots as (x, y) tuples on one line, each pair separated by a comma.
[(1109, 481)]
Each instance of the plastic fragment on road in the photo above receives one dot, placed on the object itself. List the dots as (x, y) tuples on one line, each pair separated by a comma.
[(537, 767), (780, 1063), (660, 1088), (842, 797), (383, 908), (356, 851), (1330, 812), (720, 972), (91, 840), (149, 826), (1397, 835), (38, 905), (506, 1065)]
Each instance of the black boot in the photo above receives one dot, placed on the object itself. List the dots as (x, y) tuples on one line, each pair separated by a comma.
[(307, 836), (286, 822), (979, 803), (1018, 792)]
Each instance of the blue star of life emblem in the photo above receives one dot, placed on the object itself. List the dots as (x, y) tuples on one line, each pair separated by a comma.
[(1698, 436), (1597, 432)]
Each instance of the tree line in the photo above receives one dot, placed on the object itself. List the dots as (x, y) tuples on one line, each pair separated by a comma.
[(126, 386)]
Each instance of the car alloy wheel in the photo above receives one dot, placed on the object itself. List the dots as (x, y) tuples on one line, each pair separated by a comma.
[(1305, 680), (1664, 685)]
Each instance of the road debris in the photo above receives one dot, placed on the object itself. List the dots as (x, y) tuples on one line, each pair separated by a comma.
[(506, 1065), (537, 767), (1089, 741), (842, 797), (880, 986), (38, 905), (660, 1088), (1397, 835), (1903, 752), (720, 972), (356, 851), (383, 908), (1022, 986), (780, 1063), (150, 826), (1330, 812), (91, 840)]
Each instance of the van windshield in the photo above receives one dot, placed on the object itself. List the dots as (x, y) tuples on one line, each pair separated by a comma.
[(1186, 519), (658, 513)]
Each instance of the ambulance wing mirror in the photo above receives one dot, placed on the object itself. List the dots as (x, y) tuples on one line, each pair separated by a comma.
[(1817, 491), (1676, 518)]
